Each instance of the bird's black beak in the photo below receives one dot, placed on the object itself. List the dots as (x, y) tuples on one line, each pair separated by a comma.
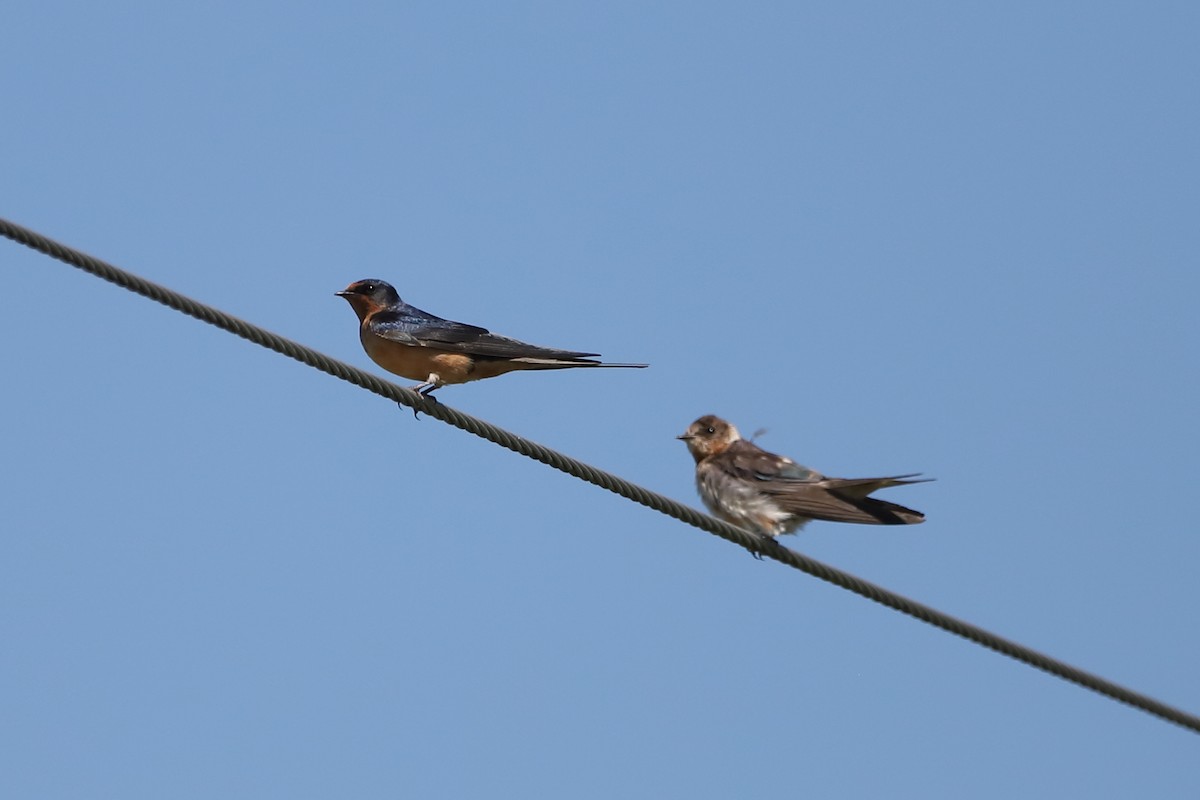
[(343, 293), (683, 437)]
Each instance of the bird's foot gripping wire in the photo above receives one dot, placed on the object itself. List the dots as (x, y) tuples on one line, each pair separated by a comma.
[(766, 544), (425, 390)]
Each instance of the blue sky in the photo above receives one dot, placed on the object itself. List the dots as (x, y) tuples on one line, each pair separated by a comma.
[(941, 237)]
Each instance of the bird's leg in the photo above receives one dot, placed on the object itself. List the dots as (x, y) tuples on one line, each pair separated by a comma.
[(426, 389), (434, 381)]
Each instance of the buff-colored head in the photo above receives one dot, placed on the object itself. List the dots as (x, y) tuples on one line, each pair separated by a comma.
[(708, 436)]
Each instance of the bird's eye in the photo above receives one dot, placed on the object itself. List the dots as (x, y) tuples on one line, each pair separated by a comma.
[(710, 430), (368, 288)]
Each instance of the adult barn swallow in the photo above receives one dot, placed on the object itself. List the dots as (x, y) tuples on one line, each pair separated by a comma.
[(770, 495), (417, 345)]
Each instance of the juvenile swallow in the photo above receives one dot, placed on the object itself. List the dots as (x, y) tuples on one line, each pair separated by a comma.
[(417, 345), (770, 495)]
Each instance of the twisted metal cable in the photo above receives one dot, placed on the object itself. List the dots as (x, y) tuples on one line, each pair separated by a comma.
[(604, 480)]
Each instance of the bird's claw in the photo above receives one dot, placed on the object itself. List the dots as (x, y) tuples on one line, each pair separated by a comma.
[(766, 544), (426, 391)]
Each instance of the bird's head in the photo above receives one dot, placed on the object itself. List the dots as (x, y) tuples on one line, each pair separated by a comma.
[(369, 295), (708, 436)]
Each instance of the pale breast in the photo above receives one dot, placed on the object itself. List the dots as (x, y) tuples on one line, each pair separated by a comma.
[(417, 363), (741, 504)]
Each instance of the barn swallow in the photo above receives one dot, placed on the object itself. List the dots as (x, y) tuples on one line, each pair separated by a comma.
[(417, 345), (770, 495)]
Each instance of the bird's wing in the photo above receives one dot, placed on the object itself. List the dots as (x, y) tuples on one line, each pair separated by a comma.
[(804, 492), (750, 462), (412, 326), (861, 487), (819, 502)]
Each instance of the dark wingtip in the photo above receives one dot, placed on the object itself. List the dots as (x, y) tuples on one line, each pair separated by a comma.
[(889, 513)]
